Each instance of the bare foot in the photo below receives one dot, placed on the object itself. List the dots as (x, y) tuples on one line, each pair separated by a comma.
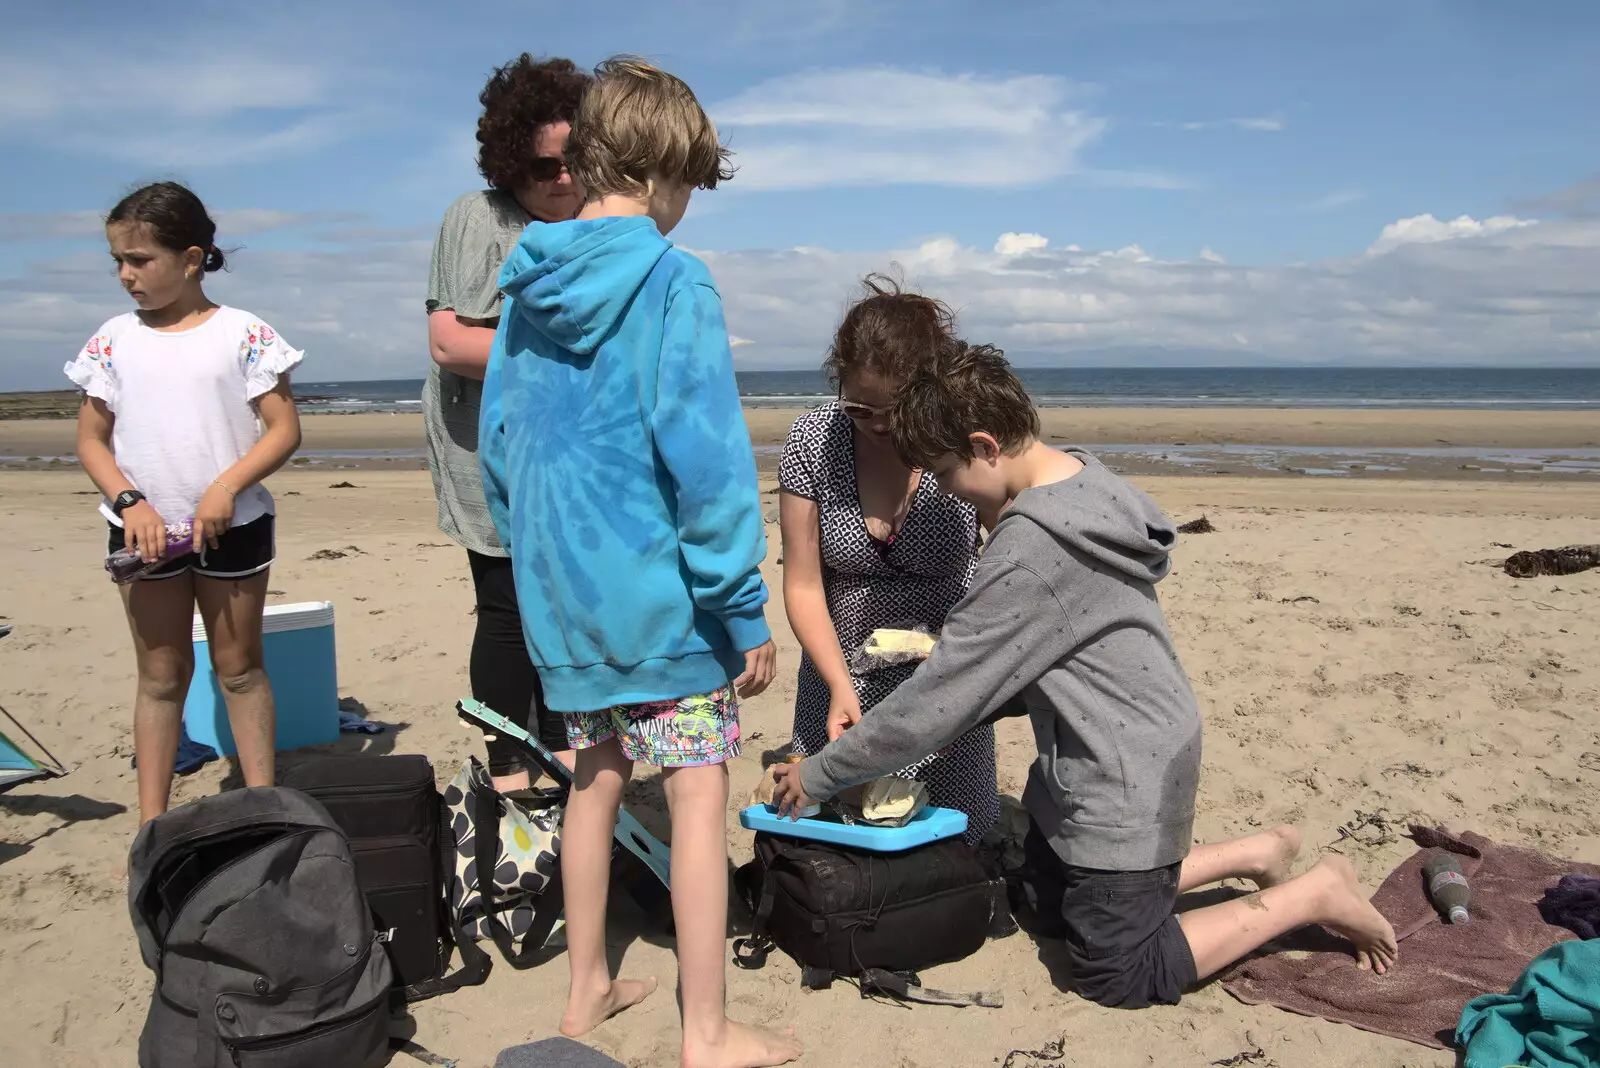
[(584, 1014), (1347, 910), (1279, 848), (743, 1046)]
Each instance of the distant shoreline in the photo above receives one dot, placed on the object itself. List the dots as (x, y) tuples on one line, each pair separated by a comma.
[(1484, 446)]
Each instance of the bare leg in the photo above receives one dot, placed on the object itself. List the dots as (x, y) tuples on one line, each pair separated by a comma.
[(698, 799), (520, 780), (231, 609), (1327, 894), (1263, 858), (586, 875), (161, 617)]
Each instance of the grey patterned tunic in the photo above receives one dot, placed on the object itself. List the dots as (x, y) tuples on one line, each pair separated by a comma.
[(911, 582), (478, 233)]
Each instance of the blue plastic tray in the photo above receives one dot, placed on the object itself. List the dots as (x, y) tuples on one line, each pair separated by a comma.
[(929, 825)]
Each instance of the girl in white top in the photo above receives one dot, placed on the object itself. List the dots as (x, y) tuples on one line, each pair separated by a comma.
[(186, 409)]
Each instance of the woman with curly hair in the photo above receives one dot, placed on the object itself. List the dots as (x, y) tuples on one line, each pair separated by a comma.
[(528, 108)]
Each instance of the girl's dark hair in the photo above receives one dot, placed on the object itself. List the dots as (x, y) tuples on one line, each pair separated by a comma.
[(522, 96), (175, 216), (888, 332)]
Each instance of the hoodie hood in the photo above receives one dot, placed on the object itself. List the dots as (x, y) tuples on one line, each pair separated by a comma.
[(572, 282), (1103, 517)]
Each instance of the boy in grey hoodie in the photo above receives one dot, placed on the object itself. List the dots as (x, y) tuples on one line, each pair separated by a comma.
[(1062, 621)]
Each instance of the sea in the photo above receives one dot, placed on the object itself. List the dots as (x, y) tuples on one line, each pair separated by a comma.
[(1544, 389)]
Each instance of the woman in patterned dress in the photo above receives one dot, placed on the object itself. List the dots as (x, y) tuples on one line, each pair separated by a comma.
[(870, 543)]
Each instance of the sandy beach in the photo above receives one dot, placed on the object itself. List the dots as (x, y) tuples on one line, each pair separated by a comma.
[(1356, 654)]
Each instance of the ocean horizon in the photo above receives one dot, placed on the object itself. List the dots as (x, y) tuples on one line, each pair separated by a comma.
[(1466, 388)]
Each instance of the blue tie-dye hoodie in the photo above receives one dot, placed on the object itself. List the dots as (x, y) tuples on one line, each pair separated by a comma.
[(618, 467)]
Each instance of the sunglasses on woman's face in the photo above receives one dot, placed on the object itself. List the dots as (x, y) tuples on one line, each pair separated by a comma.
[(546, 168), (861, 412)]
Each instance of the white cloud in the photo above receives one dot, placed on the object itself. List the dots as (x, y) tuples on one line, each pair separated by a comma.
[(1496, 293), (1136, 179), (1018, 244), (1258, 124), (1422, 229), (1209, 256), (132, 106), (17, 226), (1338, 199), (1491, 292), (884, 126)]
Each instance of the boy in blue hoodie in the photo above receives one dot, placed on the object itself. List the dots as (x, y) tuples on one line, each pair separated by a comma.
[(1062, 622), (619, 473)]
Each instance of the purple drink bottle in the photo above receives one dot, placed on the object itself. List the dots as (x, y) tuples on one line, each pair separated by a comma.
[(125, 565)]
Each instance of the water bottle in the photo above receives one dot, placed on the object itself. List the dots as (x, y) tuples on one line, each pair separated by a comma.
[(1447, 887)]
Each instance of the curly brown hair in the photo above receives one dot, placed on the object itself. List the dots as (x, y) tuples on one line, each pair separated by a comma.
[(963, 390), (888, 332), (520, 97)]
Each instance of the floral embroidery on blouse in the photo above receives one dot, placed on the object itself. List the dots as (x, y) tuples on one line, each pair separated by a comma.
[(256, 342), (100, 349)]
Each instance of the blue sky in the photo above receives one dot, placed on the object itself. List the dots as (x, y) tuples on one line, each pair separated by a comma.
[(1404, 182)]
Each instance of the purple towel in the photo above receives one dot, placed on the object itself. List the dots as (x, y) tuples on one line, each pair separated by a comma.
[(1573, 903)]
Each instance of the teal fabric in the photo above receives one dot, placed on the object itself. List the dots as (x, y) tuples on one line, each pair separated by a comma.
[(618, 468), (1549, 1019)]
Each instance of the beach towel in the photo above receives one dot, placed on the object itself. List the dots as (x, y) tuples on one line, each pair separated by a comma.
[(1441, 966), (1549, 1019)]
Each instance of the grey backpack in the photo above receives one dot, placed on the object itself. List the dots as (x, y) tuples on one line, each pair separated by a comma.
[(247, 910)]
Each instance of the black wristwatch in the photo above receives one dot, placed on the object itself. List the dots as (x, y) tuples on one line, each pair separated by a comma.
[(125, 500)]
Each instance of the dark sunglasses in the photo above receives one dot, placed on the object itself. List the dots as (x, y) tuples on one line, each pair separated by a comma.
[(860, 412), (546, 168)]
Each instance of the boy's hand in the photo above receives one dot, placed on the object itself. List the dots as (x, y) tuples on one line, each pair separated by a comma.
[(789, 796), (760, 666), (844, 712)]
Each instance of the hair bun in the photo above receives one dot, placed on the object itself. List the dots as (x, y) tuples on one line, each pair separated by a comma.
[(215, 260)]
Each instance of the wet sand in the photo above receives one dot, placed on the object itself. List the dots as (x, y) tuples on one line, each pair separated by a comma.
[(1467, 445)]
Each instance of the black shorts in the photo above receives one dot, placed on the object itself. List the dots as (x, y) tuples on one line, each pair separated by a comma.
[(240, 553), (1124, 944)]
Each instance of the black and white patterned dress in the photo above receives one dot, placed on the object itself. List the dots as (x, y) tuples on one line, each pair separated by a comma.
[(911, 582)]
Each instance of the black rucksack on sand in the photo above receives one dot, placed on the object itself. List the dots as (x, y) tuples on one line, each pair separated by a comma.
[(247, 910), (843, 911), (390, 809)]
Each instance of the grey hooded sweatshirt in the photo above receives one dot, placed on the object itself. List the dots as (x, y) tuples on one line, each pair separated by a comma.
[(1062, 614)]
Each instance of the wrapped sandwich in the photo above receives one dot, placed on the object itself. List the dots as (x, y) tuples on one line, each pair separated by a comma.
[(887, 647)]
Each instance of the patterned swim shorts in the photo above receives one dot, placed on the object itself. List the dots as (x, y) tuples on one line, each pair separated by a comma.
[(685, 733)]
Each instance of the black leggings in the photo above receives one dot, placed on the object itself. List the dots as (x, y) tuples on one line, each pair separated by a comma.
[(503, 676)]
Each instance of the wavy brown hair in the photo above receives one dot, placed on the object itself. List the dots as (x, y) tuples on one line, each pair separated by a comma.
[(888, 332), (965, 390), (522, 96)]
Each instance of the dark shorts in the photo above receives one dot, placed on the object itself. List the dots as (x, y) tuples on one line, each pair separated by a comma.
[(1124, 945), (240, 553)]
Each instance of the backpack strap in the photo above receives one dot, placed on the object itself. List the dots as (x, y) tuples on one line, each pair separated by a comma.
[(906, 986), (486, 831), (751, 953), (474, 971)]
